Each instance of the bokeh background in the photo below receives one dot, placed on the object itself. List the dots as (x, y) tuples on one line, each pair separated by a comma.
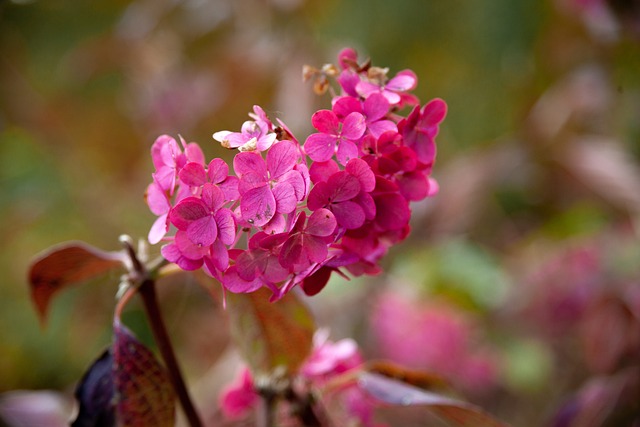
[(532, 235)]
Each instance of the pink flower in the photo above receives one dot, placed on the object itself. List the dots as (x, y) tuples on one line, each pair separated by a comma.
[(330, 358), (335, 137), (307, 243), (404, 81), (255, 134), (239, 397), (375, 109), (421, 127)]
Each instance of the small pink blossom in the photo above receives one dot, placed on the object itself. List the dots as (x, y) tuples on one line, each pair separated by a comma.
[(334, 136), (239, 397)]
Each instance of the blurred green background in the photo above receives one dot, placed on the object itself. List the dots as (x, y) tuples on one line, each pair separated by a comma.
[(541, 139)]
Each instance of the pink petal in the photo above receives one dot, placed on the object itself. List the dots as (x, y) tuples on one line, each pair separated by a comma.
[(392, 211), (266, 141), (193, 174), (194, 153), (347, 150), (229, 188), (326, 121), (219, 258), (362, 171), (233, 283), (320, 146), (226, 226), (291, 252), (346, 105), (353, 126), (157, 147), (158, 229), (187, 211), (344, 185), (250, 180), (172, 254), (403, 81), (257, 206), (285, 196), (188, 248), (321, 171), (376, 107), (281, 158), (277, 224), (413, 185), (157, 199), (296, 181), (433, 113), (218, 170), (320, 196), (203, 231), (379, 127), (321, 223), (314, 250), (212, 197), (367, 204), (249, 161), (348, 214), (434, 187)]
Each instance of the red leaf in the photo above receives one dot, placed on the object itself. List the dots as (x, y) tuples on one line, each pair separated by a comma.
[(67, 264), (454, 412), (144, 395), (268, 334)]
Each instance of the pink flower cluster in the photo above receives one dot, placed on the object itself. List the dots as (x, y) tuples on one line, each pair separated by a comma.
[(327, 361), (292, 213)]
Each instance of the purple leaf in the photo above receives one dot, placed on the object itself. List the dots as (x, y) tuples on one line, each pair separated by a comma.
[(455, 412), (144, 395), (95, 394), (64, 265)]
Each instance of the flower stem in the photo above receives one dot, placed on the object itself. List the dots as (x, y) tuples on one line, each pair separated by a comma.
[(147, 291)]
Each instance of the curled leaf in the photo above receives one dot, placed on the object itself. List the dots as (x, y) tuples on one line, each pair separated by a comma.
[(64, 265), (271, 335), (453, 411), (143, 393)]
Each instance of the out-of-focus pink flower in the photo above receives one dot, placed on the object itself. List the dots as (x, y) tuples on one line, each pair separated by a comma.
[(239, 397), (436, 338)]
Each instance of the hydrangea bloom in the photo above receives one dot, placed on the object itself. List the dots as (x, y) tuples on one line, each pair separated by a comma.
[(292, 214)]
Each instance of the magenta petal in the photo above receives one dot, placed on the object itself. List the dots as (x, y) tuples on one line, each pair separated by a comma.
[(344, 185), (277, 224), (315, 250), (194, 153), (319, 196), (320, 146), (321, 223), (349, 214), (434, 187), (172, 254), (226, 226), (346, 105), (403, 81), (212, 197), (433, 113), (158, 229), (285, 195), (347, 150), (392, 211), (376, 107), (233, 283), (291, 252), (157, 199), (281, 158), (257, 206), (326, 121), (379, 127), (187, 211), (250, 180), (296, 181), (353, 126), (413, 185), (218, 170), (188, 248), (367, 204), (219, 258), (362, 171), (193, 174), (321, 171), (249, 161), (203, 231)]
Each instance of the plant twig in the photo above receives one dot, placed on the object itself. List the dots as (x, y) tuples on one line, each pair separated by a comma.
[(147, 291)]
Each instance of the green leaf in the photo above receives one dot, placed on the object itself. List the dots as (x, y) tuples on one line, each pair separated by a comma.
[(271, 335), (64, 265), (144, 394), (454, 412)]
